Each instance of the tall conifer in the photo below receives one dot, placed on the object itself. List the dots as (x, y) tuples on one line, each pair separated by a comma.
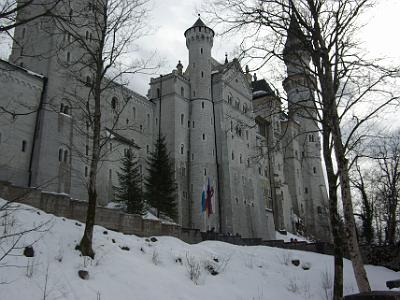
[(129, 190), (160, 182)]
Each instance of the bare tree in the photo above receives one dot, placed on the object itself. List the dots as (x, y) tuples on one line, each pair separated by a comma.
[(340, 76), (99, 35)]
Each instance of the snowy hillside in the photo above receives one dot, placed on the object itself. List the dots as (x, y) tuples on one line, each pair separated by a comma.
[(129, 267)]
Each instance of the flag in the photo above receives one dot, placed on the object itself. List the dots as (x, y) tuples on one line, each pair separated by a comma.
[(210, 193), (203, 201)]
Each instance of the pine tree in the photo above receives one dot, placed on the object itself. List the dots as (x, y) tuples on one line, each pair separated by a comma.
[(129, 190), (160, 182)]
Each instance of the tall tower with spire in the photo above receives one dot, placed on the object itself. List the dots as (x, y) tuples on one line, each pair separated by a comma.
[(312, 203), (202, 167)]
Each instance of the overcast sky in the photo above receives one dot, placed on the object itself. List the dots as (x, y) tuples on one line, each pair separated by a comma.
[(170, 18)]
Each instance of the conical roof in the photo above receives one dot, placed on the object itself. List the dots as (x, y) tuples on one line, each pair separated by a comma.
[(295, 36), (199, 23)]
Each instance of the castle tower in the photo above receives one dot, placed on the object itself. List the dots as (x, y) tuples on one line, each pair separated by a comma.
[(299, 86), (202, 167)]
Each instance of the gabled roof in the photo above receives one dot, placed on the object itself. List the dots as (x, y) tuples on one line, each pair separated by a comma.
[(261, 88)]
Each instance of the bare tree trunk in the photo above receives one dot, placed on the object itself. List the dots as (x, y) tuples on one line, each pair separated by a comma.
[(350, 226), (336, 226)]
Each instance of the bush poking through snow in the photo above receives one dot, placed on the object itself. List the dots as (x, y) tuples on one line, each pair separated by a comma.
[(194, 268), (285, 258), (296, 262), (29, 252), (326, 283), (125, 248), (155, 258)]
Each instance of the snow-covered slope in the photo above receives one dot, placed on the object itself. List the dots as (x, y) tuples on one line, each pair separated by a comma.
[(158, 269)]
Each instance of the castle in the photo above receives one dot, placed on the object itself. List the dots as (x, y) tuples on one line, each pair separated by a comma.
[(223, 130)]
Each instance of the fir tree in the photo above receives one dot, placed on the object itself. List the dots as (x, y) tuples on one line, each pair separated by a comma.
[(160, 182), (129, 190)]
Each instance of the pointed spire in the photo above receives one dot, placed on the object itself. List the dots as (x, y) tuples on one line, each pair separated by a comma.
[(226, 58)]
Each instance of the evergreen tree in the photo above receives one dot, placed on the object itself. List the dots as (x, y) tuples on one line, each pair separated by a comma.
[(160, 182), (129, 190)]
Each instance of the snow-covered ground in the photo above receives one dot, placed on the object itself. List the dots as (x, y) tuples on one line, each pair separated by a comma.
[(158, 269)]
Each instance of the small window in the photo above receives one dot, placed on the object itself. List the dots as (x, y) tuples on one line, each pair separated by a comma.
[(23, 146), (182, 149), (240, 158), (23, 32), (194, 93), (182, 92), (233, 155), (87, 35), (204, 137), (66, 110), (134, 113), (65, 156), (110, 174), (201, 50), (86, 171), (60, 153), (306, 190), (70, 14), (202, 74), (192, 124), (148, 120), (188, 123), (88, 81), (182, 118), (62, 107), (158, 93), (205, 172), (111, 146), (114, 103), (141, 127), (314, 170), (202, 104), (68, 57), (147, 149), (87, 150), (319, 209), (247, 134)]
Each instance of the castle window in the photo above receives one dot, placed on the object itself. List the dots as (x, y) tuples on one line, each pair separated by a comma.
[(87, 35), (182, 91), (306, 190), (114, 103), (311, 138), (141, 128), (259, 170), (202, 74), (233, 155), (147, 149), (127, 121), (205, 172), (62, 107), (148, 120), (68, 57), (60, 153), (229, 99), (66, 110), (204, 137), (86, 171), (202, 104), (201, 50), (70, 14), (111, 146), (314, 170), (23, 149), (211, 120), (188, 123), (247, 134), (65, 156), (240, 158), (248, 162), (87, 150), (88, 81), (156, 121), (237, 200), (194, 93), (23, 32), (182, 149), (245, 108), (193, 124), (134, 113), (319, 209), (182, 118), (110, 174)]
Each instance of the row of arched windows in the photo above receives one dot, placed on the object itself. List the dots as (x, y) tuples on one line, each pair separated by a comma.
[(63, 155)]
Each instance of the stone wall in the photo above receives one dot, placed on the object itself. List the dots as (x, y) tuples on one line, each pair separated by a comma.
[(63, 206)]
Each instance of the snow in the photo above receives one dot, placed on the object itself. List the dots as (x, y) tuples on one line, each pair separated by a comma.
[(152, 270)]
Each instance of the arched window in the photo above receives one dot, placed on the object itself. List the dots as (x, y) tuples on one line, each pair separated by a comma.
[(65, 156), (86, 171), (204, 137), (23, 149), (233, 155), (202, 74), (87, 35), (62, 107), (182, 118), (23, 32), (88, 81), (60, 153), (87, 150), (182, 92), (314, 170), (240, 158), (147, 149), (201, 50), (114, 103), (134, 113), (182, 149), (68, 57), (202, 104)]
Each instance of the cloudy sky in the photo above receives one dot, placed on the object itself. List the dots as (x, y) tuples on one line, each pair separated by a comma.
[(170, 18)]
